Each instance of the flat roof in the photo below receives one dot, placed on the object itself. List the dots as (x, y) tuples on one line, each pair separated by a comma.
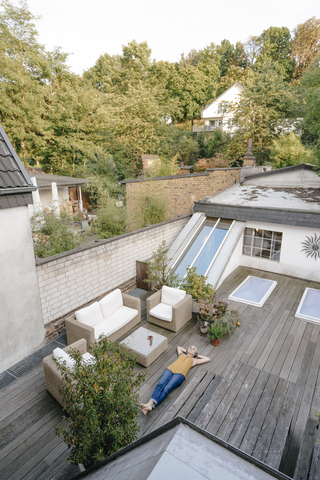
[(282, 198)]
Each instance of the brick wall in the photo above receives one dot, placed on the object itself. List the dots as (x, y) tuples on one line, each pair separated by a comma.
[(181, 191), (70, 280)]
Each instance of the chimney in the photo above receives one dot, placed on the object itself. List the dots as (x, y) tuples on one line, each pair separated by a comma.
[(249, 160)]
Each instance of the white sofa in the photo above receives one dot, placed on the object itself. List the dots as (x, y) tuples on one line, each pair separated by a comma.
[(113, 316)]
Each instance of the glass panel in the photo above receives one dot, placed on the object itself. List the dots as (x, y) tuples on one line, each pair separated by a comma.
[(253, 289), (275, 256), (277, 236), (247, 250), (192, 252), (265, 254), (203, 261), (277, 246), (267, 234), (247, 240), (257, 242), (248, 231), (311, 304), (256, 252)]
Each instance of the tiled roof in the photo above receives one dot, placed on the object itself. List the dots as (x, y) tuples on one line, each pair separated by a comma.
[(15, 183)]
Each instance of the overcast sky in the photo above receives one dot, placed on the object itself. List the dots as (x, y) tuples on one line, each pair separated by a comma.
[(88, 28)]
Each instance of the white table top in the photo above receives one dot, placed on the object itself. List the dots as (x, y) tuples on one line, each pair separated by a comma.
[(138, 341)]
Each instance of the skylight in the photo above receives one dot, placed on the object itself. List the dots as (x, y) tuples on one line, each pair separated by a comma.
[(253, 291), (309, 306)]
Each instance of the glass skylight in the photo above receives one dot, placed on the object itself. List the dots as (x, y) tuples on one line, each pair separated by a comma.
[(253, 291), (309, 306)]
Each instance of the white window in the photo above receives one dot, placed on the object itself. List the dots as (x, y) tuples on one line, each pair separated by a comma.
[(262, 243), (223, 107), (253, 291), (309, 306)]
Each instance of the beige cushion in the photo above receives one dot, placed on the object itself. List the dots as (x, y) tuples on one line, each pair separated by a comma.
[(91, 315), (116, 321), (162, 311), (111, 302), (171, 296)]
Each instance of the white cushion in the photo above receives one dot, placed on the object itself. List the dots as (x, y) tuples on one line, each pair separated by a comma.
[(162, 311), (171, 296), (116, 321), (111, 302), (88, 358), (63, 358), (91, 315)]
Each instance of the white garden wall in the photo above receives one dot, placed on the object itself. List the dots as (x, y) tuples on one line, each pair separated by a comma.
[(70, 280)]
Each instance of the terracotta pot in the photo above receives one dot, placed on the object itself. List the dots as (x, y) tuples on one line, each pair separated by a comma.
[(215, 342)]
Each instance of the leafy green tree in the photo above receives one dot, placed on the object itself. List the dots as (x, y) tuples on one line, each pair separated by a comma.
[(217, 143), (175, 141), (305, 46), (235, 74), (232, 56), (24, 75), (262, 112), (102, 401), (288, 150), (111, 219), (311, 95)]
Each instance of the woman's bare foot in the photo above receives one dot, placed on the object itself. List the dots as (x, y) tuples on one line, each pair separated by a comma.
[(146, 407)]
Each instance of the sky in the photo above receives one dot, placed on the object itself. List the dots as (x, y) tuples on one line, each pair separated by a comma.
[(87, 29)]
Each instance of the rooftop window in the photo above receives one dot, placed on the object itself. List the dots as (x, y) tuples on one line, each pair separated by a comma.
[(253, 291), (309, 306)]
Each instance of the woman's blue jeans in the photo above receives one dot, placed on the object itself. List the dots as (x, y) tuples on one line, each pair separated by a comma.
[(167, 382)]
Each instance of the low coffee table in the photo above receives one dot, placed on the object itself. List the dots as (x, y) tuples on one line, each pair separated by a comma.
[(138, 342)]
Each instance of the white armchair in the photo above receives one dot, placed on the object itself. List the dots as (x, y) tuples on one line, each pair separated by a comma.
[(169, 308)]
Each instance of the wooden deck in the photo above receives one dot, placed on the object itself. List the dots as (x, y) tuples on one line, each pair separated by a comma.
[(270, 339)]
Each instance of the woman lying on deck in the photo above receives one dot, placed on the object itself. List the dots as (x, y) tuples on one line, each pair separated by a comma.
[(174, 375)]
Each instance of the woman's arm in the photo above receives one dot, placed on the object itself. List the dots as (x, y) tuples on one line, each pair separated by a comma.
[(181, 350), (200, 359)]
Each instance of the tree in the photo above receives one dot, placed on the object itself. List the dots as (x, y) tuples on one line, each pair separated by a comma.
[(311, 95), (232, 56), (23, 80), (305, 46), (102, 401), (265, 104), (235, 74), (274, 47), (288, 150)]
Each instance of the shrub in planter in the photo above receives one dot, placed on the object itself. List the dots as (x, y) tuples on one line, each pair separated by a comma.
[(196, 286), (102, 402), (217, 330), (159, 272)]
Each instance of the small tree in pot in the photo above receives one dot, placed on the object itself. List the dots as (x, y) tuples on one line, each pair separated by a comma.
[(102, 401), (217, 330), (159, 272)]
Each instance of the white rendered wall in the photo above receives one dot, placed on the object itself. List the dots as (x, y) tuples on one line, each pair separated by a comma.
[(68, 281), (21, 322), (293, 261), (46, 196)]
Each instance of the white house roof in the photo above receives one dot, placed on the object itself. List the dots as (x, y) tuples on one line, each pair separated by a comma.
[(222, 95)]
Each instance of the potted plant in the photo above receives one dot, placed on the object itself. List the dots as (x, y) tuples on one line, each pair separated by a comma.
[(196, 285), (159, 272), (102, 401), (216, 330), (205, 314)]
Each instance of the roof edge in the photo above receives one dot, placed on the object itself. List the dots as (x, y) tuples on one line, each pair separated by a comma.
[(305, 166), (15, 156), (235, 83)]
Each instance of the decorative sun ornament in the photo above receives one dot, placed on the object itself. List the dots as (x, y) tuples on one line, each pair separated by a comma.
[(311, 247)]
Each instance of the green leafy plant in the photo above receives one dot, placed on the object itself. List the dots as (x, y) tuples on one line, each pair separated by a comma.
[(219, 309), (102, 401), (230, 321), (217, 330), (52, 235), (159, 271), (111, 220), (196, 286)]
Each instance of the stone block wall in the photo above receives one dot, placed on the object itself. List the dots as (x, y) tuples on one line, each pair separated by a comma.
[(180, 191), (73, 279)]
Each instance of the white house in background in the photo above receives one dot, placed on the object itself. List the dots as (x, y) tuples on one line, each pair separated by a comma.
[(216, 114)]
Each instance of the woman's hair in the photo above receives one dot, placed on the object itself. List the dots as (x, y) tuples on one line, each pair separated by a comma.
[(195, 353)]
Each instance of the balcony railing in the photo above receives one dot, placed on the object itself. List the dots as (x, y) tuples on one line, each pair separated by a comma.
[(203, 128)]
